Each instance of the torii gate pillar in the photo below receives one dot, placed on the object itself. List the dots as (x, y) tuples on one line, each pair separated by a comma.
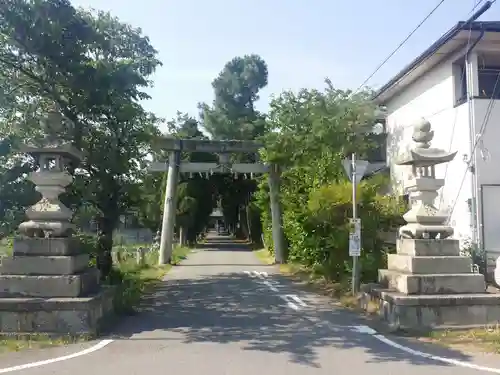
[(280, 255), (169, 208)]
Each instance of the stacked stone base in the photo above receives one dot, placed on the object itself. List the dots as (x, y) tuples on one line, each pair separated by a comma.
[(80, 316), (428, 284), (47, 287)]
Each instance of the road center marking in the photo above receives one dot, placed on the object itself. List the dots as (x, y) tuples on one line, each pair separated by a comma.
[(296, 299), (271, 286), (292, 300), (292, 305), (92, 349)]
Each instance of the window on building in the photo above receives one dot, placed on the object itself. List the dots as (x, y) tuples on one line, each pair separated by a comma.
[(489, 82), (488, 73), (460, 81)]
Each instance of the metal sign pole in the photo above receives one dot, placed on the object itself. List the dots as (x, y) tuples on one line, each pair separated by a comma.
[(353, 238)]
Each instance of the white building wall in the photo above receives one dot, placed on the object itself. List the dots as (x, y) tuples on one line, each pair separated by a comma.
[(432, 97), (487, 156)]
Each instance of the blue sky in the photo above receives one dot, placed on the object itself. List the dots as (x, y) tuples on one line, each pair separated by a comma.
[(302, 41)]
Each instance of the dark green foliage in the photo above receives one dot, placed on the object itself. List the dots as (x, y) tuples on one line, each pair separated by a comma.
[(93, 69), (16, 192), (233, 115), (310, 133)]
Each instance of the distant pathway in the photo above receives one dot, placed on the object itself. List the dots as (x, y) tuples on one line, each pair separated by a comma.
[(222, 312)]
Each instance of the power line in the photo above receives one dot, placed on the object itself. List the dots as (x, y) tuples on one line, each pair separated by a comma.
[(400, 45), (462, 78), (448, 107), (479, 135)]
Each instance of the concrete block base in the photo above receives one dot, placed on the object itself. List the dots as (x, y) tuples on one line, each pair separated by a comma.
[(50, 286), (445, 283), (44, 265), (57, 316), (422, 312), (420, 247), (429, 264), (46, 246)]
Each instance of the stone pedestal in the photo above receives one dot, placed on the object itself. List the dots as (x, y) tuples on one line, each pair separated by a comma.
[(430, 267), (48, 287), (428, 284)]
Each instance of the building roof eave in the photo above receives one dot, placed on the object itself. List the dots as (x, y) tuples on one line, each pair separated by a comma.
[(487, 26)]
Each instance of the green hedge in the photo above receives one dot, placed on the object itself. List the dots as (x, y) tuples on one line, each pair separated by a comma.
[(318, 230)]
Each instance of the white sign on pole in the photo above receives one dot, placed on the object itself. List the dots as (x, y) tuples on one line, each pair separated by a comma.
[(355, 226), (354, 245), (361, 166), (355, 237)]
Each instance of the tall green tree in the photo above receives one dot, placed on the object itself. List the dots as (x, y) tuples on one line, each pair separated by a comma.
[(236, 89), (94, 68), (233, 115)]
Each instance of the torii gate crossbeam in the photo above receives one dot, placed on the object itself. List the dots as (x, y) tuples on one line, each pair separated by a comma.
[(174, 166)]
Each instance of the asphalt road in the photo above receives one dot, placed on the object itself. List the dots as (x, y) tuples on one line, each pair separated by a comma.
[(222, 312)]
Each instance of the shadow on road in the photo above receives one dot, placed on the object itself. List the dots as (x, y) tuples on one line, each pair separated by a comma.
[(230, 308), (223, 246)]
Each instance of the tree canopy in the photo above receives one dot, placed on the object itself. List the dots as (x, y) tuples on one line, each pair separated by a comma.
[(236, 89), (93, 69)]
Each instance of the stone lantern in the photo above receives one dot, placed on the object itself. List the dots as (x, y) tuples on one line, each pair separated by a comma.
[(424, 220), (49, 274), (49, 217), (428, 283)]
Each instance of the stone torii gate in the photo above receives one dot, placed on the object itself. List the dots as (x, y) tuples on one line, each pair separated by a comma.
[(223, 149)]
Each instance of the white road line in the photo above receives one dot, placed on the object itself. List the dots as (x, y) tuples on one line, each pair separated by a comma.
[(370, 331), (92, 349), (451, 361), (289, 303), (297, 299), (273, 288), (363, 329), (292, 305), (417, 353), (270, 286)]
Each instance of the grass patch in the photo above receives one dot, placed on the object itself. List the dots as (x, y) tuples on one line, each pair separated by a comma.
[(483, 339), (17, 343), (264, 256), (133, 280), (5, 247)]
